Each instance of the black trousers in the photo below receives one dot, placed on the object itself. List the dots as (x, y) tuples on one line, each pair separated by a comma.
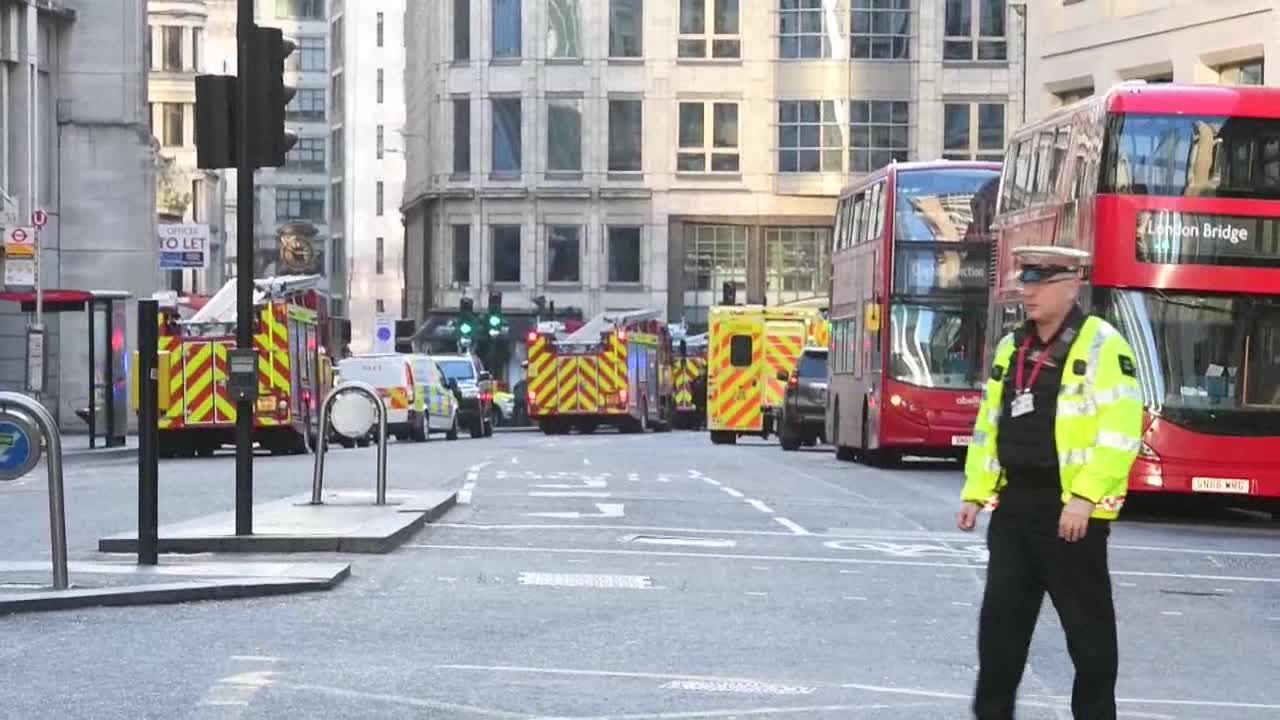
[(1027, 559)]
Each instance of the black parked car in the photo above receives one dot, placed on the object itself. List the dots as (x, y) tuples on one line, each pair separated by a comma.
[(804, 406)]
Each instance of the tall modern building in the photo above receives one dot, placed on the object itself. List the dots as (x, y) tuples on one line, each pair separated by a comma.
[(617, 154), (176, 53), (291, 217), (93, 169), (367, 167), (1081, 48)]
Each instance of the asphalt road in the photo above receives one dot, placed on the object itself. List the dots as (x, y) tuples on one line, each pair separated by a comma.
[(649, 576)]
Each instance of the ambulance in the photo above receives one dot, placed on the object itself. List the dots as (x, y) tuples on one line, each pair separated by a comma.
[(392, 375), (198, 415), (615, 370), (690, 366), (750, 347)]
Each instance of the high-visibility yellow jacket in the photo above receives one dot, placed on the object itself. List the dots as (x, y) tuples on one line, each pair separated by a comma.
[(1098, 428)]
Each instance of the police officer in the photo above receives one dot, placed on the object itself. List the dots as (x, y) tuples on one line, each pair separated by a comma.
[(1059, 426)]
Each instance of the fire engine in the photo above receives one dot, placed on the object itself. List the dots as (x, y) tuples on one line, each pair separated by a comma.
[(750, 347), (295, 371), (615, 370)]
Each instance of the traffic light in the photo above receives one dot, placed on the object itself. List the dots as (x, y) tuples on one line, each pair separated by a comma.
[(405, 330), (466, 318), (217, 102), (215, 121), (268, 95), (495, 312)]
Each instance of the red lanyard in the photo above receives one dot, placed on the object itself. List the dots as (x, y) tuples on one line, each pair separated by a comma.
[(1035, 369)]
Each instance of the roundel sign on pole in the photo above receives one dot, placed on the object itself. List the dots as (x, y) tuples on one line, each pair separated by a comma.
[(39, 218), (384, 333), (19, 445)]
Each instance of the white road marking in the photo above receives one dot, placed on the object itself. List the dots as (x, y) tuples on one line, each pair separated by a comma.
[(759, 506), (711, 481), (257, 658), (854, 597), (961, 603), (795, 528), (664, 479), (586, 461), (587, 482), (850, 572), (464, 495), (447, 579), (237, 691), (569, 494), (756, 593), (759, 567), (453, 708), (1173, 613), (1126, 584), (807, 559), (732, 492), (515, 460), (690, 542), (633, 477), (607, 510), (606, 582), (738, 686), (636, 528)]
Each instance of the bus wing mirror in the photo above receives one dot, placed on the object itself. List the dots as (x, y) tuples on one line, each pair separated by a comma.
[(783, 377)]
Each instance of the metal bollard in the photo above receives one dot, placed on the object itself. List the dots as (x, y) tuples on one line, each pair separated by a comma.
[(322, 439), (14, 403)]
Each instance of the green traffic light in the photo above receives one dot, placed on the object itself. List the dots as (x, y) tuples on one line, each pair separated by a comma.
[(465, 328), (494, 321)]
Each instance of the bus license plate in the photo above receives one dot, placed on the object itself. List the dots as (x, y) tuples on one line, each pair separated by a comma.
[(1234, 486), (961, 440)]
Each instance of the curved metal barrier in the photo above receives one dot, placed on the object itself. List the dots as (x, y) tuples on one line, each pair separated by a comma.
[(21, 410), (322, 438)]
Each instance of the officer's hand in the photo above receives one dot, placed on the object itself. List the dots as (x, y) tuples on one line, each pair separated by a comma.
[(1074, 522), (967, 518)]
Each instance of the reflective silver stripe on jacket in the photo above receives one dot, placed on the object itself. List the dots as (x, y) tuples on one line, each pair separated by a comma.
[(1116, 394), (1117, 441), (980, 437), (1075, 457), (993, 465)]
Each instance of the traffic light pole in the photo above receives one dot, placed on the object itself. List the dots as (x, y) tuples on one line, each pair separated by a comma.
[(244, 262)]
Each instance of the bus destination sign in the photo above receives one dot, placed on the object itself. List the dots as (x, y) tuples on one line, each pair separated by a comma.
[(921, 271), (1183, 238)]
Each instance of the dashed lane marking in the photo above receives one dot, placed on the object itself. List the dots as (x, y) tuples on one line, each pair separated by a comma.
[(795, 528), (602, 582), (745, 687), (607, 510), (731, 491), (710, 481), (759, 506), (686, 542)]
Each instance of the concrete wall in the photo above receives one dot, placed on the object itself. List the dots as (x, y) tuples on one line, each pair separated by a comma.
[(101, 235), (1093, 45)]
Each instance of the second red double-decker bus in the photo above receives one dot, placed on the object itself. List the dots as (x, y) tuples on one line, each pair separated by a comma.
[(1176, 191), (908, 309)]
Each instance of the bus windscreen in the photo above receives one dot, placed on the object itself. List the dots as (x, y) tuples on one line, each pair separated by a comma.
[(945, 205), (1189, 156), (936, 347), (1207, 361)]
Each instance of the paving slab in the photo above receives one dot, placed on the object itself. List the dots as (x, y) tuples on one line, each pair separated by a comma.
[(346, 522), (24, 586)]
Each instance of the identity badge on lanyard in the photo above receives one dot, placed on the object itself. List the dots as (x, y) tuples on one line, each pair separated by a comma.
[(1023, 402)]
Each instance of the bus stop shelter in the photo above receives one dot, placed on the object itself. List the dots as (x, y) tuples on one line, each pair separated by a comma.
[(107, 414)]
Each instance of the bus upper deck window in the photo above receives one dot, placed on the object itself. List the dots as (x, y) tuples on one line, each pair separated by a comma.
[(740, 351)]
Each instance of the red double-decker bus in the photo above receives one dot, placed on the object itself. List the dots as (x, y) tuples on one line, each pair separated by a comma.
[(1176, 191), (908, 309)]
